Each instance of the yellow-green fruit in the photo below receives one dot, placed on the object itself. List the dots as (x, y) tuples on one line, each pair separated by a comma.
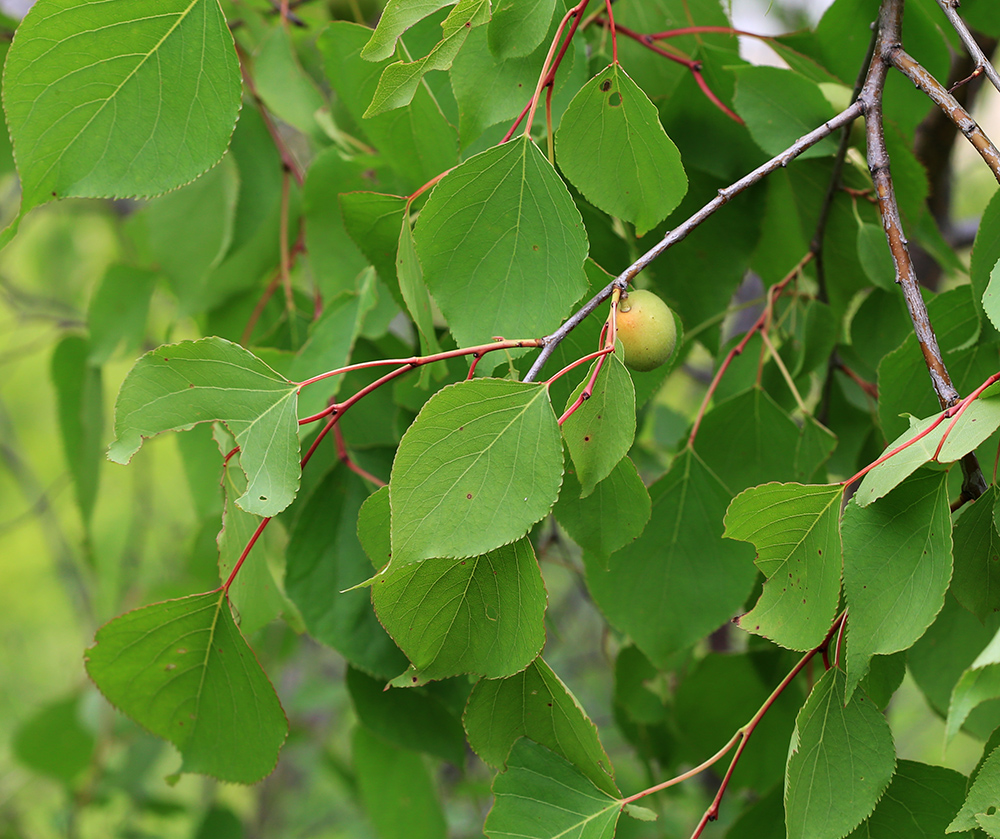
[(646, 329)]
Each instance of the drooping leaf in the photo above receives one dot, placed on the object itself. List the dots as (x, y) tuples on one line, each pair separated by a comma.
[(180, 385), (491, 228), (541, 796), (417, 142), (985, 252), (991, 297), (411, 286), (397, 789), (535, 704), (612, 516), (374, 527), (600, 431), (479, 466), (283, 85), (980, 805), (796, 530), (664, 589), (479, 615), (897, 566), (841, 760), (920, 802), (373, 222), (979, 683), (78, 384), (400, 80), (873, 253), (118, 310), (254, 593), (396, 18), (412, 719), (976, 424), (976, 582), (182, 670), (119, 99), (324, 559), (611, 147)]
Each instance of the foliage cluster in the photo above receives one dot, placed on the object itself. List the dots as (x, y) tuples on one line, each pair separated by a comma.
[(373, 277)]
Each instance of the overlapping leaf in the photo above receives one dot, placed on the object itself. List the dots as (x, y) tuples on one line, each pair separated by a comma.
[(976, 582), (518, 26), (502, 245), (600, 431), (611, 146), (977, 422), (980, 807), (897, 566), (842, 759), (182, 670), (796, 530), (541, 796), (664, 589), (119, 99), (179, 385), (980, 682), (535, 704), (481, 464), (479, 615)]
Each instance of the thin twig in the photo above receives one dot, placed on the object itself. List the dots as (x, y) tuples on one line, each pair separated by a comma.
[(889, 37), (950, 9), (676, 235), (949, 105)]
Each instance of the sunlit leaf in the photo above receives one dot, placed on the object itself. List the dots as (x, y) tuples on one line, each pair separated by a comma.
[(479, 466), (980, 805), (119, 99), (180, 385)]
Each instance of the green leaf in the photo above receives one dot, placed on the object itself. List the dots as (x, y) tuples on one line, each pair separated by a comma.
[(600, 432), (897, 566), (985, 251), (182, 670), (119, 99), (118, 309), (611, 147), (190, 231), (417, 142), (979, 683), (664, 589), (991, 297), (779, 106), (78, 384), (519, 26), (324, 560), (412, 719), (973, 427), (796, 530), (397, 789), (411, 286), (884, 676), (180, 385), (373, 222), (479, 615), (841, 760), (491, 228), (919, 803), (611, 517), (874, 255), (284, 87), (535, 704), (54, 742), (396, 18), (374, 527), (254, 594), (400, 80), (481, 464), (976, 581), (981, 802), (541, 796)]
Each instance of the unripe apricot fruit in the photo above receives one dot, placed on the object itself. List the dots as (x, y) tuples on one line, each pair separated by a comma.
[(646, 330)]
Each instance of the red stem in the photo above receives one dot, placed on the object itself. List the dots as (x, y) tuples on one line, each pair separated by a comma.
[(345, 458), (614, 34), (588, 391)]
